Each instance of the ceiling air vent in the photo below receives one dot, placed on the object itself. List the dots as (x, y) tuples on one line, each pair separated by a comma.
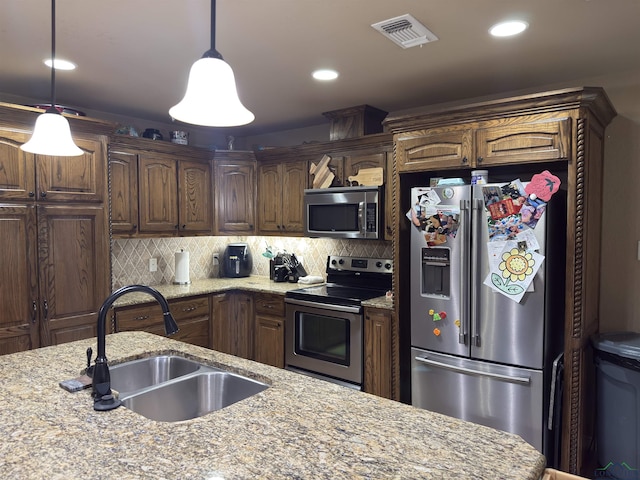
[(405, 30)]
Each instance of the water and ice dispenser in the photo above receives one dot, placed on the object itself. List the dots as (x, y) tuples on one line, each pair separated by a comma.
[(436, 271)]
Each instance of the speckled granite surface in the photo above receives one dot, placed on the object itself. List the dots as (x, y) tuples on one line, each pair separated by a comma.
[(216, 285), (299, 428)]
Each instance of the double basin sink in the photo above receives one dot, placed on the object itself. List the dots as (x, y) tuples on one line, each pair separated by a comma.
[(170, 388)]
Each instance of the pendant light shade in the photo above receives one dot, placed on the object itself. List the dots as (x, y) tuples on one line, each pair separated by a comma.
[(52, 134), (212, 98)]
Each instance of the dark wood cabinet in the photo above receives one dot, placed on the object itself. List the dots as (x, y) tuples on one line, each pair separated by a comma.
[(269, 329), (123, 171), (563, 131), (191, 314), (280, 197), (378, 352), (235, 187), (159, 189), (232, 320), (54, 246)]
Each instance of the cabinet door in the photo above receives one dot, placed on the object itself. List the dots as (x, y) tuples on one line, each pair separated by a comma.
[(235, 198), (233, 324), (17, 173), (270, 183), (73, 179), (528, 142), (124, 192), (19, 280), (449, 147), (354, 163), (73, 256), (158, 200), (294, 181), (269, 346), (377, 352), (195, 201), (269, 329)]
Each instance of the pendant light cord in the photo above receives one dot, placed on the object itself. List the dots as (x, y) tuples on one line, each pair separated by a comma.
[(212, 52), (53, 57)]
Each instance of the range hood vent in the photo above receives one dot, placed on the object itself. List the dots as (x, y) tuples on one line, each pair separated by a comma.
[(405, 31)]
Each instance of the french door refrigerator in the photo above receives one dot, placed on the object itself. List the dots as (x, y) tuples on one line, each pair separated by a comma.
[(475, 353)]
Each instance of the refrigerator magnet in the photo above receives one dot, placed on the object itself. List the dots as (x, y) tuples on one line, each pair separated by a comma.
[(515, 272)]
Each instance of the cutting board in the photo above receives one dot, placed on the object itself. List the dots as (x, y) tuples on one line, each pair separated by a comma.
[(369, 176), (322, 175)]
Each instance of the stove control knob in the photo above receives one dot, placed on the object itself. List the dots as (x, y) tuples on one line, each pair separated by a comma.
[(379, 264), (333, 262), (387, 266), (341, 261)]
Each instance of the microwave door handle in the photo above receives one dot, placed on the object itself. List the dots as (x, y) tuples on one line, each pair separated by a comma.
[(361, 224)]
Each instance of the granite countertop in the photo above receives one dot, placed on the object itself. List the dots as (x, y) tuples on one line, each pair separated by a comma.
[(299, 428), (219, 285)]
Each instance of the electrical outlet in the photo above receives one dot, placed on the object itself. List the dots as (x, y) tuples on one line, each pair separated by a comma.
[(153, 264)]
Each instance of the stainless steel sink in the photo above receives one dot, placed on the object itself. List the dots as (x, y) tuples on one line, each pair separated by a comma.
[(138, 374), (169, 388), (192, 396)]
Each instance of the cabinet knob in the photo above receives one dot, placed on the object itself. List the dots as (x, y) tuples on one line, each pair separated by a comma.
[(184, 226), (43, 194), (465, 160), (135, 226), (177, 227), (32, 194), (480, 159)]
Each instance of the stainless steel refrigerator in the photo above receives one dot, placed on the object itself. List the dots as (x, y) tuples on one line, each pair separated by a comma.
[(476, 354)]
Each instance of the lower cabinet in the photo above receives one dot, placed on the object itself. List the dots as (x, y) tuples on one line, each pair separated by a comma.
[(269, 329), (232, 320), (378, 352), (192, 316)]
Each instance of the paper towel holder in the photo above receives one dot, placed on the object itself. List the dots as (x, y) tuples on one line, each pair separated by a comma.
[(178, 255)]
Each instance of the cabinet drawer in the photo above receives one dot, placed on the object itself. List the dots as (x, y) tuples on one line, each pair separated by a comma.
[(270, 304), (190, 308), (150, 315)]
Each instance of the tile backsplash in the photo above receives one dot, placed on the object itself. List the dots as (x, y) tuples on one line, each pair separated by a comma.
[(130, 257)]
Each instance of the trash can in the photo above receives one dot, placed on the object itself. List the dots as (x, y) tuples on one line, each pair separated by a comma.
[(617, 359)]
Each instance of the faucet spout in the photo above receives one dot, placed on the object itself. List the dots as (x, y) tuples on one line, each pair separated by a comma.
[(103, 398)]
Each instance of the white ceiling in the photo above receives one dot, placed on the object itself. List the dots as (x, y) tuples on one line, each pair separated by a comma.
[(133, 56)]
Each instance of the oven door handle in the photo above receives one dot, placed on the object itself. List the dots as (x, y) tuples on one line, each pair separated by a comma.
[(324, 306)]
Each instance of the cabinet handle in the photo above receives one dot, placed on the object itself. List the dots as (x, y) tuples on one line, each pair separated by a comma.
[(189, 309), (184, 226), (31, 194), (43, 194), (465, 160), (177, 227), (46, 311), (251, 226), (34, 311), (135, 226), (480, 159), (141, 317)]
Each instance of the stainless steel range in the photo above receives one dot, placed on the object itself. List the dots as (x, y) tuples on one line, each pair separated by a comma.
[(324, 324)]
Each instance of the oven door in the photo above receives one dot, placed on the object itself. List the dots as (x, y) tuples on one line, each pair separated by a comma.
[(324, 339)]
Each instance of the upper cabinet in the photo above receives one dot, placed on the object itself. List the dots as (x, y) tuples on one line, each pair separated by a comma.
[(531, 138), (284, 173), (24, 176), (160, 188), (280, 194), (235, 173)]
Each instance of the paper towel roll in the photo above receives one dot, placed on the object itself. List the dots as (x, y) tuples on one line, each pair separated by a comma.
[(182, 268)]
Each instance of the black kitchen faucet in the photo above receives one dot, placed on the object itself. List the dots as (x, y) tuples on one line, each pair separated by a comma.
[(102, 396)]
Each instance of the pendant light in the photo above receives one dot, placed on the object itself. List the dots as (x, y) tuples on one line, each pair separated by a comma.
[(212, 98), (52, 134)]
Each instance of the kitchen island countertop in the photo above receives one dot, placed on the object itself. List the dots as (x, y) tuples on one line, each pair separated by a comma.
[(299, 428)]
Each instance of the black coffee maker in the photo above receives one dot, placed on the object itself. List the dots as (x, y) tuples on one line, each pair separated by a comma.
[(236, 261)]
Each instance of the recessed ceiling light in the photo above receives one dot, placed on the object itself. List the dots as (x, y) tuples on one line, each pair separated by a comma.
[(60, 64), (325, 74), (507, 29)]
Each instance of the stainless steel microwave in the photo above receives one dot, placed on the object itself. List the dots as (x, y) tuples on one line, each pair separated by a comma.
[(344, 212)]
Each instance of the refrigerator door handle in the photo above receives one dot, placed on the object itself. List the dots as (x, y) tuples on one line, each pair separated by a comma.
[(464, 275), (478, 210), (470, 371)]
